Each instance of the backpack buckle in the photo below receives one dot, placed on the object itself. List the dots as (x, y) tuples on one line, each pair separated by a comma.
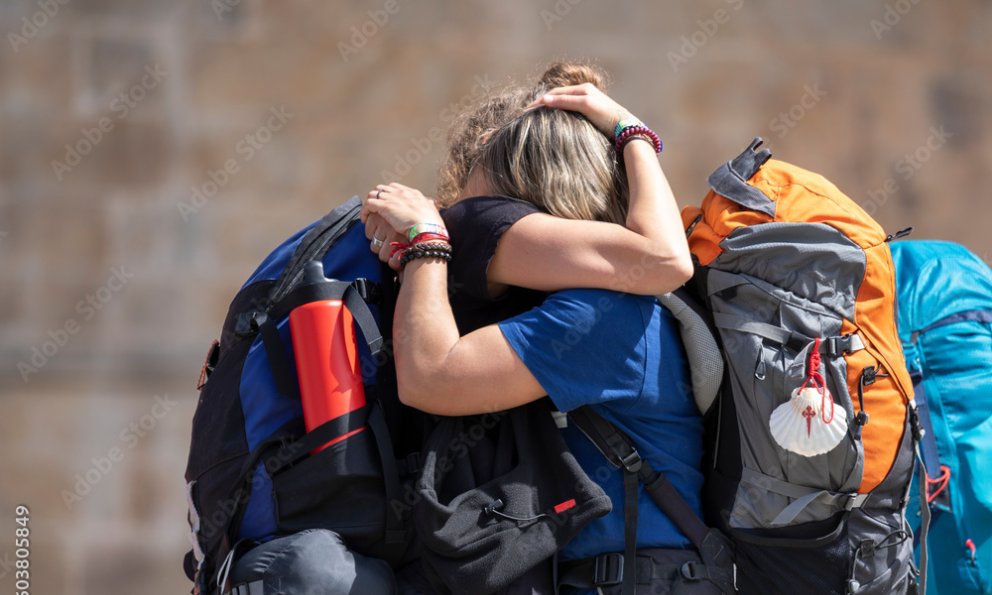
[(688, 572), (369, 290), (843, 345), (410, 465), (855, 501), (249, 322), (632, 462), (607, 570)]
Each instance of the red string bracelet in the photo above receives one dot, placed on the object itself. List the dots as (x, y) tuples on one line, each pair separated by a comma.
[(397, 247), (429, 236)]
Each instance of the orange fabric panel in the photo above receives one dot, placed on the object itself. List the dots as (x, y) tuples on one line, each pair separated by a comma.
[(886, 400), (807, 197)]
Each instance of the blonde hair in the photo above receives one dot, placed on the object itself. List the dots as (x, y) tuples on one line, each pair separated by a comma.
[(556, 159), (551, 158)]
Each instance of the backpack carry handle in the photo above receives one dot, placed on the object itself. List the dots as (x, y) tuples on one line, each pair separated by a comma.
[(730, 179)]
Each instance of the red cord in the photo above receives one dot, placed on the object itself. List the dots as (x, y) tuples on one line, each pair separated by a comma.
[(943, 481), (815, 380), (398, 247)]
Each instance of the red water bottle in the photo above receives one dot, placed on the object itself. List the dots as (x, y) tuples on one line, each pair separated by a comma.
[(327, 360)]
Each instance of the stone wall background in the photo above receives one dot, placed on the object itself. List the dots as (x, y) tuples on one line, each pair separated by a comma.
[(850, 89)]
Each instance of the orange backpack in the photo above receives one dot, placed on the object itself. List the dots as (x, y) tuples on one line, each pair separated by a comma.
[(801, 286)]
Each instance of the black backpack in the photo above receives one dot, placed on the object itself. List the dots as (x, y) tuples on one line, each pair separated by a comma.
[(250, 475)]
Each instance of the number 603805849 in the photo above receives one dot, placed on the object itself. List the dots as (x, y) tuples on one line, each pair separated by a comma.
[(22, 550)]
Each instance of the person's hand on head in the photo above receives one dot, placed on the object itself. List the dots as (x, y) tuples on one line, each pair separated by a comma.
[(588, 100)]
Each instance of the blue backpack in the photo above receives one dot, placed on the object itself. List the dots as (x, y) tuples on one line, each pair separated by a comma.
[(250, 474), (945, 324)]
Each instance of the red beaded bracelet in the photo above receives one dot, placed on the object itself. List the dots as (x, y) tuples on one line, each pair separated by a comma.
[(637, 130)]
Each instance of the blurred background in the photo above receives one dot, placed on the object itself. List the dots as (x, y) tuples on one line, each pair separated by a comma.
[(154, 151)]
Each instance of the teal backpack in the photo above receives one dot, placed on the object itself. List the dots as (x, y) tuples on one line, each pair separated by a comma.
[(945, 324)]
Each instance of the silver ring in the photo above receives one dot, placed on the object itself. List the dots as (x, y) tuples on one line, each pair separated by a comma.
[(377, 243)]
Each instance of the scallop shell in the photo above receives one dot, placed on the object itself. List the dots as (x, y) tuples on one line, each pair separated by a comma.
[(798, 425)]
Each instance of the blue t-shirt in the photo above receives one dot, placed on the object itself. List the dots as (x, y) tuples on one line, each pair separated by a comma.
[(622, 354)]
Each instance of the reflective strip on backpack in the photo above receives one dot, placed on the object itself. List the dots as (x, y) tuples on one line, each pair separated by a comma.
[(193, 516)]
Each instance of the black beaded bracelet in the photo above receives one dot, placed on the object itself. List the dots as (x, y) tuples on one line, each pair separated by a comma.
[(432, 245), (415, 252)]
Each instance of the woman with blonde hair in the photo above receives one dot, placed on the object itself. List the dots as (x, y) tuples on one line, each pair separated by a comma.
[(567, 193)]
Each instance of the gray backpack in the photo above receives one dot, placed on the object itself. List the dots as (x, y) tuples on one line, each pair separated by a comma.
[(815, 426)]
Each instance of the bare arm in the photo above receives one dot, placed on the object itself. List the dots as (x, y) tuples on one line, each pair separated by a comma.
[(438, 371), (445, 374), (649, 257)]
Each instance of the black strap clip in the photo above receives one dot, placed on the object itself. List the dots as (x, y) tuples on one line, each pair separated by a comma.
[(902, 233), (632, 461), (867, 549), (370, 291), (690, 572), (607, 570), (410, 465), (914, 423), (249, 322)]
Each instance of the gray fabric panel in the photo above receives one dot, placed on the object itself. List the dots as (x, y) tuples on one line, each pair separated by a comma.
[(757, 395), (315, 562), (728, 184), (888, 570), (812, 260), (702, 351)]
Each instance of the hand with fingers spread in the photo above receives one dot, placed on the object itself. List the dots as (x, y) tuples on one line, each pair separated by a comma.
[(591, 102)]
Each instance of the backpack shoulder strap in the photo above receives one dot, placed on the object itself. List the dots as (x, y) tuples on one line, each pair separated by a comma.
[(706, 365), (313, 245), (620, 451)]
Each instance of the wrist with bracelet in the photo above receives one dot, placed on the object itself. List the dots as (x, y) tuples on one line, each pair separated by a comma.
[(427, 240), (627, 130)]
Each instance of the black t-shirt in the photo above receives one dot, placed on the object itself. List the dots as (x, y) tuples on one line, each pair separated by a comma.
[(476, 225)]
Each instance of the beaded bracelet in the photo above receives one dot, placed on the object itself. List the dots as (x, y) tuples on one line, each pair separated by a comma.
[(417, 252), (433, 245), (420, 228), (631, 131), (622, 123)]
